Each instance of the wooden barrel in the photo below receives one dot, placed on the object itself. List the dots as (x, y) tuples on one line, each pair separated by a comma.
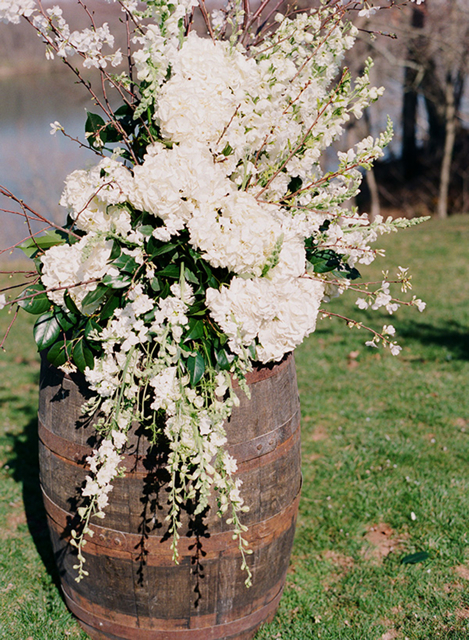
[(134, 591)]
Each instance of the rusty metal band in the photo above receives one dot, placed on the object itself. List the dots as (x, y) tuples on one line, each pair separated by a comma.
[(130, 630), (242, 452), (121, 543), (267, 442)]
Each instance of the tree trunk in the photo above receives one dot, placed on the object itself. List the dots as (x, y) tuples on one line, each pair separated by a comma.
[(409, 106), (409, 124), (445, 174), (375, 208)]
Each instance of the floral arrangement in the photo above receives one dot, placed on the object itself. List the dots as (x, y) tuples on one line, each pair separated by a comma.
[(207, 236)]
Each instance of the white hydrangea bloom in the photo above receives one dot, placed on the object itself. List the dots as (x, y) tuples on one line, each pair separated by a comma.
[(208, 82), (88, 195), (65, 266), (172, 182), (239, 234), (280, 312)]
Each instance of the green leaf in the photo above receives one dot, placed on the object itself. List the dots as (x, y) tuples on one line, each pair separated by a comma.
[(156, 248), (196, 368), (222, 360), (125, 263), (117, 282), (59, 353), (93, 300), (146, 229), (227, 150), (171, 271), (324, 261), (32, 246), (91, 325), (40, 303), (95, 127), (112, 134), (46, 330), (66, 321), (196, 330), (190, 276), (116, 251), (110, 306), (70, 304), (82, 356), (414, 558), (155, 285), (197, 309)]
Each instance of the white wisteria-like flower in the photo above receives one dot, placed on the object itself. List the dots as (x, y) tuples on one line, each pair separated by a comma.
[(54, 127)]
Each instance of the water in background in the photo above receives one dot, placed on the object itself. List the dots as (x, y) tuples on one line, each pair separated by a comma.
[(33, 163)]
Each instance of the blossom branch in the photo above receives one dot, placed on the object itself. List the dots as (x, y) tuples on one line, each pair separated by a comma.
[(304, 138)]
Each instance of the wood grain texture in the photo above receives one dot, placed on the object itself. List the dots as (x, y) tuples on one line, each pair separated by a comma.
[(134, 590)]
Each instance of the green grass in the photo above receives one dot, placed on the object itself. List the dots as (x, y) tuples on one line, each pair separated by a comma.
[(383, 438)]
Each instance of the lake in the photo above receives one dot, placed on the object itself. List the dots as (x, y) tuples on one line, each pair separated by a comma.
[(34, 163)]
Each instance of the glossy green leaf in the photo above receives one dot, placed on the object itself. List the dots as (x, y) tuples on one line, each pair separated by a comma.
[(196, 368), (46, 330), (66, 320), (95, 127), (196, 330), (156, 248), (222, 360), (91, 326), (116, 251), (40, 303), (59, 353), (117, 282), (49, 239), (109, 306), (125, 263), (93, 300), (82, 356), (171, 271), (70, 304), (197, 309)]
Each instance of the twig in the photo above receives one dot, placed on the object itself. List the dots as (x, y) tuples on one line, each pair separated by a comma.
[(8, 329)]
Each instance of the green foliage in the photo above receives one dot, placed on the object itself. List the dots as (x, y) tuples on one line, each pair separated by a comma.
[(33, 301), (34, 246)]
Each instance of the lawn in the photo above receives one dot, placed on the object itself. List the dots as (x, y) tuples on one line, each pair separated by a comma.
[(382, 548)]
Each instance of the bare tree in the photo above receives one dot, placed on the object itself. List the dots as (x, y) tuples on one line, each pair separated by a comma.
[(437, 42)]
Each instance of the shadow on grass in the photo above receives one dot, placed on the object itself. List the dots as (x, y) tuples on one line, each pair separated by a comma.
[(454, 337), (24, 463)]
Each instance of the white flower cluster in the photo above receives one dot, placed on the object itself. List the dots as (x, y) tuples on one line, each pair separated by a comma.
[(12, 10), (229, 185), (77, 268)]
